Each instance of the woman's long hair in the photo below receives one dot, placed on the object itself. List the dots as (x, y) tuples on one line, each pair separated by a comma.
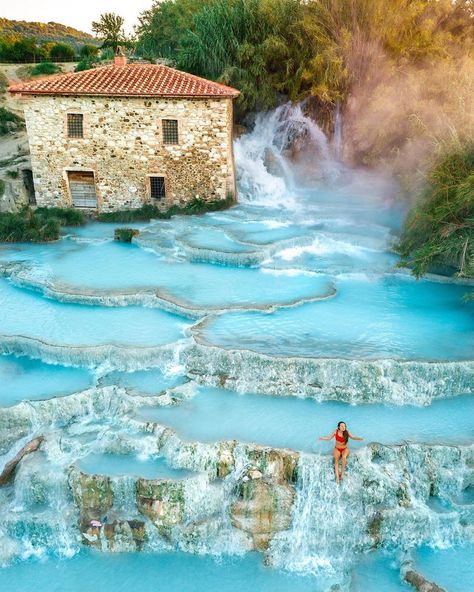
[(345, 433)]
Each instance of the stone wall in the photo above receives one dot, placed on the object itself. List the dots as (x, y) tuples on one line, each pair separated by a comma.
[(123, 146)]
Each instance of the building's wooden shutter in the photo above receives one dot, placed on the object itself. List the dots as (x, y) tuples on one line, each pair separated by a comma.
[(82, 186)]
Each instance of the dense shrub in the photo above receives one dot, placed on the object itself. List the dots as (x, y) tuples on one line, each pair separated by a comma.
[(39, 225), (89, 51), (26, 226), (3, 83), (84, 64), (9, 122), (65, 216), (439, 230), (125, 235), (45, 68), (149, 211), (23, 49), (62, 52)]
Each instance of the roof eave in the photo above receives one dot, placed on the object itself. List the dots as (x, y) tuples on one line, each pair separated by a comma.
[(112, 95)]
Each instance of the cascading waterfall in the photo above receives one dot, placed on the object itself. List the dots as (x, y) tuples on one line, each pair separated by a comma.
[(263, 162)]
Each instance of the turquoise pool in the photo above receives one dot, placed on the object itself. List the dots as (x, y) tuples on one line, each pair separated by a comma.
[(180, 385)]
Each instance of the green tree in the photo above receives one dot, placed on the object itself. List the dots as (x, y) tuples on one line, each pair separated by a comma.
[(258, 46), (110, 30), (162, 27), (21, 49), (62, 52)]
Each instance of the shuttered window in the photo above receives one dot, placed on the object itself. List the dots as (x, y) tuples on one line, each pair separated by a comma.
[(157, 187), (82, 187), (75, 125), (170, 131)]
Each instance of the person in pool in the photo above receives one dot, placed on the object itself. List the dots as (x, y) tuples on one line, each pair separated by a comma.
[(341, 448)]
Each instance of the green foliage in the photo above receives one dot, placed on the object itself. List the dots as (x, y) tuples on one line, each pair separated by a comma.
[(162, 28), (109, 28), (324, 48), (65, 216), (439, 230), (43, 32), (39, 225), (106, 53), (89, 51), (2, 187), (23, 49), (3, 83), (149, 211), (84, 64), (9, 122), (258, 46), (26, 226), (13, 174), (45, 68), (62, 52), (125, 235)]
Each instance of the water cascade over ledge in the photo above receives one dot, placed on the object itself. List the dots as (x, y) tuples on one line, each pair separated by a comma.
[(178, 386)]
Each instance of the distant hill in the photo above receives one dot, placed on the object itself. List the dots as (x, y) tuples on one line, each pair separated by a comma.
[(43, 32)]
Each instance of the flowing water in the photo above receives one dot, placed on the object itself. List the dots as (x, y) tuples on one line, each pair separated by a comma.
[(160, 373)]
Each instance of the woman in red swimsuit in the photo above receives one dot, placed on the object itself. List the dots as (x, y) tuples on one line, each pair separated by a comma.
[(341, 449)]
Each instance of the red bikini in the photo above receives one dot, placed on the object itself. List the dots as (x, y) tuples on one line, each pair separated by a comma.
[(340, 439)]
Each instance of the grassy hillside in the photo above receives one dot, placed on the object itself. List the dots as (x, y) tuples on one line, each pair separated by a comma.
[(44, 32)]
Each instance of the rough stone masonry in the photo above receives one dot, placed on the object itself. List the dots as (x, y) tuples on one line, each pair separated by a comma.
[(123, 144)]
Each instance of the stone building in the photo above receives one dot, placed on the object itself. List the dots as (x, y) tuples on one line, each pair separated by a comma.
[(118, 136)]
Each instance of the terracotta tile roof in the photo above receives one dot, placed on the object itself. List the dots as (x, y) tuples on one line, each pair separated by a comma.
[(142, 80)]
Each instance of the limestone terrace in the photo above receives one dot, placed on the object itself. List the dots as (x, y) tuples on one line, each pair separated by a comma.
[(131, 80)]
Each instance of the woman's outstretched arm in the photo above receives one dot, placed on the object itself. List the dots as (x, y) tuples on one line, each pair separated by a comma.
[(327, 437), (354, 437)]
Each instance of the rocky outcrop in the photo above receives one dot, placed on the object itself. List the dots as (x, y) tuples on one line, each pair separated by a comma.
[(162, 501), (94, 497), (263, 507), (280, 464), (419, 582), (9, 470), (225, 459), (119, 535)]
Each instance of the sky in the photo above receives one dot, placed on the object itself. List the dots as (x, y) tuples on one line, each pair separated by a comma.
[(78, 15)]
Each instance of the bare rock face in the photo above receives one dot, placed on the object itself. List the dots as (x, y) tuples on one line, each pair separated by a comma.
[(162, 501), (263, 507), (10, 468)]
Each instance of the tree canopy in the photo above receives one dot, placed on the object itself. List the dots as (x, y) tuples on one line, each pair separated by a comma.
[(109, 28)]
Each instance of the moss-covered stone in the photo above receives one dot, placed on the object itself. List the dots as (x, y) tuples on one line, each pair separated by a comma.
[(279, 464), (374, 528), (225, 460), (125, 235), (119, 535), (263, 507), (162, 501), (93, 495)]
